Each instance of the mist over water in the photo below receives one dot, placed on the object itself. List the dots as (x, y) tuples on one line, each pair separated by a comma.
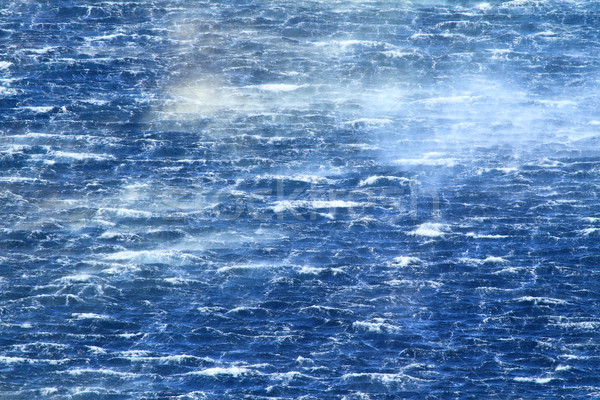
[(318, 200)]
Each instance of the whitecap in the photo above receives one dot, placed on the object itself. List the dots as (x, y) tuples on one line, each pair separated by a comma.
[(430, 229), (589, 231), (583, 325), (539, 380), (561, 367), (24, 360), (231, 371), (39, 109), (82, 156), (96, 102), (279, 87), (426, 161), (449, 100), (47, 391), (305, 270), (541, 300), (370, 122), (90, 316), (78, 278), (378, 325), (244, 267), (385, 378), (405, 261), (376, 178), (150, 256), (104, 371), (483, 236), (5, 91), (96, 349), (292, 205), (493, 260), (176, 281), (124, 212)]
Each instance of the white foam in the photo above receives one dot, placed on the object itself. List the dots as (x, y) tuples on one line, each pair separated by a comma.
[(478, 236), (4, 91), (5, 64), (244, 267), (287, 376), (310, 270), (430, 229), (87, 390), (90, 316), (96, 102), (125, 212), (79, 278), (335, 204), (378, 325), (376, 178), (316, 271), (426, 161), (40, 109), (591, 219), (449, 100), (493, 260), (561, 367), (43, 50), (362, 146), (47, 391), (557, 103), (103, 371), (279, 87), (150, 256), (82, 156), (178, 281), (505, 170), (109, 234), (216, 371), (546, 33), (589, 231), (415, 283), (23, 360), (298, 178), (291, 205), (14, 179), (574, 357), (399, 53), (38, 345), (584, 325), (305, 361), (357, 396), (541, 300), (195, 395), (370, 122), (381, 377), (405, 261), (96, 349), (508, 270), (345, 44), (538, 380)]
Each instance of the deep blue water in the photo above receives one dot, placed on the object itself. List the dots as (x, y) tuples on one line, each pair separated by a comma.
[(310, 200)]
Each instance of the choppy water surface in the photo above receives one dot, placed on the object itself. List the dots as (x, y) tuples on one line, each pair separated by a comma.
[(317, 200)]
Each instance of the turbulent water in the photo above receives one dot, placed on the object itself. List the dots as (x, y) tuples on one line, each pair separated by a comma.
[(299, 200)]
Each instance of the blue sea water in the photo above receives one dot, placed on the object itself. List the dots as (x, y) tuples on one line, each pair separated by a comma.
[(263, 199)]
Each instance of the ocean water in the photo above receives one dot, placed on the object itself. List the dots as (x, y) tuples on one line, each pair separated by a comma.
[(260, 199)]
